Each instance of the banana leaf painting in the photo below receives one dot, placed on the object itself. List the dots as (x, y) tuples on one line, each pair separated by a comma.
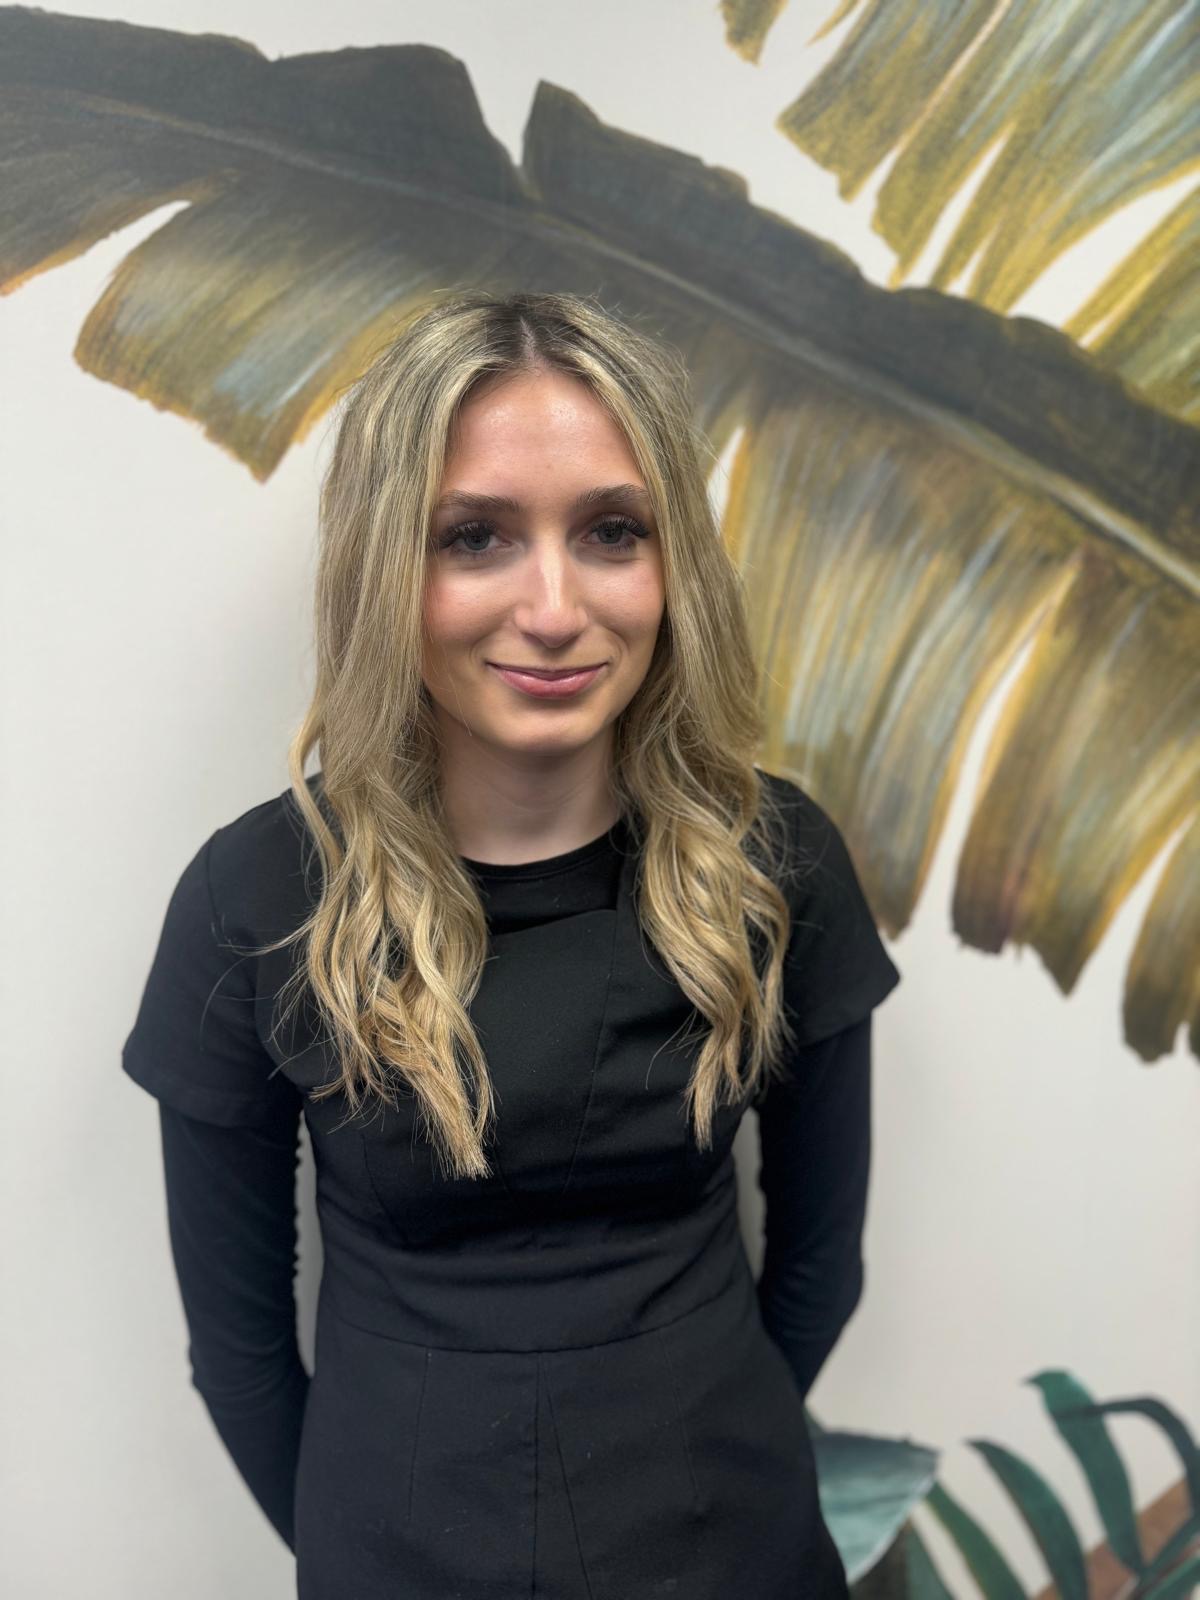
[(1087, 107), (926, 492), (920, 488)]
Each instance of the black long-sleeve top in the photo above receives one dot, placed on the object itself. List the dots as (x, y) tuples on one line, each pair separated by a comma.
[(232, 1221), (230, 1166), (230, 1203)]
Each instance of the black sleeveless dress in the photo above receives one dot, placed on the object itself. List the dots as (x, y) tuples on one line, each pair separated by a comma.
[(555, 1382)]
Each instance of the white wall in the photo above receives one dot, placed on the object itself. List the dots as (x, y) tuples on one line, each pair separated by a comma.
[(156, 658)]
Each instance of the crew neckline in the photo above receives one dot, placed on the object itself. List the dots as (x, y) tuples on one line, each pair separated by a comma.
[(614, 837), (548, 866)]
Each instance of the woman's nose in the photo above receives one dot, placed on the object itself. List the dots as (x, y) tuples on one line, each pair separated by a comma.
[(549, 585)]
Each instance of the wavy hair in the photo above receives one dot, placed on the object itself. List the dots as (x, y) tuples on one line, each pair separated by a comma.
[(395, 944)]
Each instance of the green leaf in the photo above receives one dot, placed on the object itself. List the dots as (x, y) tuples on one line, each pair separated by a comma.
[(984, 1558), (1179, 1436), (924, 1581), (1176, 1585), (1084, 1432), (1173, 1427), (1044, 1515), (868, 1487)]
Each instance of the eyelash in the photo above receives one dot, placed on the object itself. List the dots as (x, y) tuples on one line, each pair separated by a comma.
[(628, 525)]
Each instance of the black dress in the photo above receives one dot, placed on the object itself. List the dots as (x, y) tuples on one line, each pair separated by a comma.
[(561, 1381)]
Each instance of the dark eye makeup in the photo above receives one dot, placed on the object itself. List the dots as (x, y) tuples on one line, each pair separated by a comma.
[(631, 529)]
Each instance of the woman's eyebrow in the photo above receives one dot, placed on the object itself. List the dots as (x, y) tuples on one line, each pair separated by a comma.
[(619, 493)]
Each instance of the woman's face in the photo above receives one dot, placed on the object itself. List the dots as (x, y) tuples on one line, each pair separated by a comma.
[(545, 582)]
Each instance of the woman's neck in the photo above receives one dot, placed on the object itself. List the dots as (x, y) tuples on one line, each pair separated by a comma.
[(509, 822)]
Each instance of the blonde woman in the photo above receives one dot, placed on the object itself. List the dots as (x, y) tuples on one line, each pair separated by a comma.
[(522, 951)]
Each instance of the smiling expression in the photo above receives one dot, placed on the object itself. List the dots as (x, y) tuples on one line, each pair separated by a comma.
[(544, 554)]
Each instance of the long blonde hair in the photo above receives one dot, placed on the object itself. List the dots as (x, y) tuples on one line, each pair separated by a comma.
[(396, 943)]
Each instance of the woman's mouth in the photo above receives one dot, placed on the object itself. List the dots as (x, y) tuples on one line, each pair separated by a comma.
[(546, 683)]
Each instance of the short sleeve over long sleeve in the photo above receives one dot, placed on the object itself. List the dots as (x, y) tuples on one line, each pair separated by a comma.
[(232, 1222), (837, 968), (194, 1044), (815, 1159), (229, 1127), (814, 1125)]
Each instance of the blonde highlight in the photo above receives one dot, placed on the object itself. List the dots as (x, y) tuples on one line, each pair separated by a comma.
[(394, 947)]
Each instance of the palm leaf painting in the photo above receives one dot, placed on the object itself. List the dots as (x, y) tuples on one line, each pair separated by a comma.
[(922, 491), (1137, 1561), (1074, 108), (870, 1487)]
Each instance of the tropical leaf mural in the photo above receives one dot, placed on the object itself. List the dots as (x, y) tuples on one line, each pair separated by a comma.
[(1134, 1562), (1079, 108), (871, 1486), (921, 489)]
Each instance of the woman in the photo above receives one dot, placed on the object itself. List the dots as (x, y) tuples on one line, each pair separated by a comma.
[(522, 952)]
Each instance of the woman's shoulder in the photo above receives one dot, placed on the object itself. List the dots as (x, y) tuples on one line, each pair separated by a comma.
[(837, 966), (812, 847), (263, 864)]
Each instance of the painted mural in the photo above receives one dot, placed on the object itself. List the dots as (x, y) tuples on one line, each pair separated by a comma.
[(925, 488)]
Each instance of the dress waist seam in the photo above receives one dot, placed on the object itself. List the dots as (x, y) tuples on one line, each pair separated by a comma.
[(735, 1281)]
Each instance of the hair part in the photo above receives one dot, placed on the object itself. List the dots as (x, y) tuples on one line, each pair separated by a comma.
[(394, 947)]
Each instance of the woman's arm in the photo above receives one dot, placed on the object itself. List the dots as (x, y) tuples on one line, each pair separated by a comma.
[(231, 1213), (815, 1149)]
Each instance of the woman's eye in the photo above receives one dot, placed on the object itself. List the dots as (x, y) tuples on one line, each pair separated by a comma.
[(469, 530), (628, 527)]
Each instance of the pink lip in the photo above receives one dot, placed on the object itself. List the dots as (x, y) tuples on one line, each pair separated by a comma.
[(546, 686)]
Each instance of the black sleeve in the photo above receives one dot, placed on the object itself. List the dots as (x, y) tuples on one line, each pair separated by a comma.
[(231, 1211), (837, 967), (194, 1043), (815, 1121), (815, 1156)]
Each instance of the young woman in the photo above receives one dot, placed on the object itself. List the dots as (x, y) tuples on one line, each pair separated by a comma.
[(522, 951)]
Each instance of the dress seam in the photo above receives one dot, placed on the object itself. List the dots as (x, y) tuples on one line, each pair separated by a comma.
[(562, 1467), (544, 1350), (412, 1460), (587, 1105), (537, 1389), (664, 1346)]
